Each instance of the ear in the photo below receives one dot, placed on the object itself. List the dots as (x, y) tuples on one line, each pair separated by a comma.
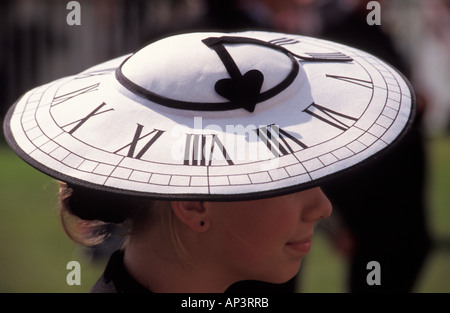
[(191, 213)]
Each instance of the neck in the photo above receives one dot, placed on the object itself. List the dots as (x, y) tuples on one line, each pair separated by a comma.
[(155, 264)]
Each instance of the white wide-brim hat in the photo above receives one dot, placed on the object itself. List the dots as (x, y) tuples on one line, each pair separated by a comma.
[(214, 116)]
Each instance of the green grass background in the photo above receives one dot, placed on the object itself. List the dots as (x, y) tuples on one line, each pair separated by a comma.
[(34, 249)]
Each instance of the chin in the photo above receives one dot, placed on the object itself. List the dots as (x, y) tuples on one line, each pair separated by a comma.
[(284, 274)]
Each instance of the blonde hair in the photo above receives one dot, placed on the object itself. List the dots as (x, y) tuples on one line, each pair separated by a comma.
[(90, 216)]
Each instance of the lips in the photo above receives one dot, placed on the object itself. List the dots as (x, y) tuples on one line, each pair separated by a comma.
[(302, 246)]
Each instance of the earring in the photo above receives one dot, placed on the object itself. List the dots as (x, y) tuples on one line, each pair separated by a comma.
[(202, 223)]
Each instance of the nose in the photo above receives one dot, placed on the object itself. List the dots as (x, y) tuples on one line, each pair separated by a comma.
[(318, 207)]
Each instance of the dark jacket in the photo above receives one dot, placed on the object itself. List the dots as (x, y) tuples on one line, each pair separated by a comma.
[(116, 279)]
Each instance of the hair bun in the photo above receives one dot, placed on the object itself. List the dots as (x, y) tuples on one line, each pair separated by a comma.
[(89, 204)]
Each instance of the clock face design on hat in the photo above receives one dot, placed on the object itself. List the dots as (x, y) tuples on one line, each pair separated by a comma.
[(214, 116)]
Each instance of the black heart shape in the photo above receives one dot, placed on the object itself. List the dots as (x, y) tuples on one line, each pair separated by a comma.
[(243, 90)]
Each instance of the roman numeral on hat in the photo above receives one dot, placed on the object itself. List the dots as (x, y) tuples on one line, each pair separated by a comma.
[(333, 118), (80, 122), (276, 140), (199, 149), (75, 93), (132, 146)]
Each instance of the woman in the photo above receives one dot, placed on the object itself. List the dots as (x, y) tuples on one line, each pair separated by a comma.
[(211, 147), (194, 246)]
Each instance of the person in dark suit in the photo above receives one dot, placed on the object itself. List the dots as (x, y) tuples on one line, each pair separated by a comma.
[(386, 215)]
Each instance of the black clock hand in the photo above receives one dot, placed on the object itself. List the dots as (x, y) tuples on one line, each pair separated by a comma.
[(243, 90), (277, 44)]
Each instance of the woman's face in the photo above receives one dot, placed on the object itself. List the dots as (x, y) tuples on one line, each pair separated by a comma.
[(265, 239)]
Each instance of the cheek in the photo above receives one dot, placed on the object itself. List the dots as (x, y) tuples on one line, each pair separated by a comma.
[(263, 233), (256, 249)]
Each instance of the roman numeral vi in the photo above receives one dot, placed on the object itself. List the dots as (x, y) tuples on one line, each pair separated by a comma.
[(333, 118)]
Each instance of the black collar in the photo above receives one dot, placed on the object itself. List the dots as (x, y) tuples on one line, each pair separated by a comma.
[(116, 278)]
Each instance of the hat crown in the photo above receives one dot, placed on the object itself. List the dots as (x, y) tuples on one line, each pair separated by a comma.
[(210, 72)]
